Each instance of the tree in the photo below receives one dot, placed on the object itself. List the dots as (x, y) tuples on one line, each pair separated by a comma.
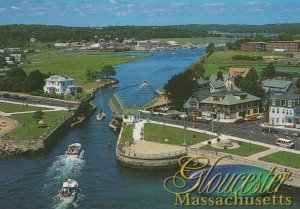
[(91, 74), (37, 115), (13, 80), (210, 48), (197, 70), (34, 81), (251, 84), (220, 75), (108, 71), (238, 81), (269, 72)]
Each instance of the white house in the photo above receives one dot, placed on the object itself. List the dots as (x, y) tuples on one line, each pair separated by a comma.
[(57, 84), (131, 115), (62, 44), (284, 110)]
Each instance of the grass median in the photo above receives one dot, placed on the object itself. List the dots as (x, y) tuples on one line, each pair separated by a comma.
[(173, 135), (244, 150), (9, 108), (283, 158)]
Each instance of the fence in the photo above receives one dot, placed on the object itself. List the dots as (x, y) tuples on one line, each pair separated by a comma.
[(158, 156)]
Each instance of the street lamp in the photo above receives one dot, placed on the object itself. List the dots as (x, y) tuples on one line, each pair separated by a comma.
[(250, 137), (184, 142)]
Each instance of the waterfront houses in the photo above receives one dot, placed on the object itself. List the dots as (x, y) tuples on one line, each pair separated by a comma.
[(230, 105), (284, 110), (57, 84)]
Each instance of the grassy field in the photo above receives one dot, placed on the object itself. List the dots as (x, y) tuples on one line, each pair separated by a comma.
[(157, 133), (127, 133), (283, 158), (222, 60), (8, 108), (215, 40), (244, 150), (28, 126), (76, 64)]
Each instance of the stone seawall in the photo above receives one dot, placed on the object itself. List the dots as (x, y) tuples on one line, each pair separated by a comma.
[(146, 162)]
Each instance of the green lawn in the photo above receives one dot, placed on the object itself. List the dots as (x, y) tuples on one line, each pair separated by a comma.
[(127, 133), (222, 60), (215, 40), (28, 126), (76, 64), (283, 158), (244, 150), (157, 133), (8, 108)]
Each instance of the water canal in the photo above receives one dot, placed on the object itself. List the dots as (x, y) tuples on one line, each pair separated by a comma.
[(34, 181)]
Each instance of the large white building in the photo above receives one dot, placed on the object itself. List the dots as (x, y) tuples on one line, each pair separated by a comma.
[(285, 110), (57, 84)]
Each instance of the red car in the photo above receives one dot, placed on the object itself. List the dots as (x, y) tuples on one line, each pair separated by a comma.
[(252, 118)]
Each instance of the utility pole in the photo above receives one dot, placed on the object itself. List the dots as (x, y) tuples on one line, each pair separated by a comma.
[(250, 137)]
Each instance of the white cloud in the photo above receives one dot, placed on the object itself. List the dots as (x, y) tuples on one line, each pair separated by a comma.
[(39, 13), (214, 5), (15, 8), (113, 1)]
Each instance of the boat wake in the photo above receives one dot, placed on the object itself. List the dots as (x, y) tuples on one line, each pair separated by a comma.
[(63, 205), (63, 168)]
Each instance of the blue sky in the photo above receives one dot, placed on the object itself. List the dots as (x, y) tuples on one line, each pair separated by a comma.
[(146, 12)]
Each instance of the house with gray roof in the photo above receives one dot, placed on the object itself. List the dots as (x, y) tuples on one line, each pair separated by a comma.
[(217, 85), (279, 86), (57, 84), (284, 110), (230, 105)]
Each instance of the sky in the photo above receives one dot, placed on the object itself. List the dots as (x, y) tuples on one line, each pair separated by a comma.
[(148, 12)]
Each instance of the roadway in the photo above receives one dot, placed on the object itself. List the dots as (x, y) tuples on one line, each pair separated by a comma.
[(247, 130), (36, 100)]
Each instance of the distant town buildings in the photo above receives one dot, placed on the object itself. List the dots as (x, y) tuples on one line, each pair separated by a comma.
[(284, 110), (275, 46), (57, 84), (32, 40)]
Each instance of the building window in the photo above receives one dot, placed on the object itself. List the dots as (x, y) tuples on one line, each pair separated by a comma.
[(277, 120), (287, 112), (273, 101), (277, 110), (282, 102), (273, 110), (255, 111), (282, 120), (283, 111), (289, 103), (291, 112)]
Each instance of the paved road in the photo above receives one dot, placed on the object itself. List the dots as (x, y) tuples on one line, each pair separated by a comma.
[(27, 99), (246, 130)]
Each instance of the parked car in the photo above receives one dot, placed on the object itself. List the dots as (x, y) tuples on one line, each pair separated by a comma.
[(252, 118), (291, 133), (270, 130), (241, 120)]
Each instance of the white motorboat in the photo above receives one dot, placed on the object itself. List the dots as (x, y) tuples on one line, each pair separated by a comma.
[(69, 191), (100, 116), (74, 149)]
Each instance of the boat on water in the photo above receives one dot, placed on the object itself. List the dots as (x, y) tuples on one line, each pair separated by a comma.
[(74, 149), (69, 191), (101, 115)]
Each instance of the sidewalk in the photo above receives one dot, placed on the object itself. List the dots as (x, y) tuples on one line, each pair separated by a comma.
[(137, 130)]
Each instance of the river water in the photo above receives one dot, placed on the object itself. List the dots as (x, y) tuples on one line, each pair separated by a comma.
[(34, 181)]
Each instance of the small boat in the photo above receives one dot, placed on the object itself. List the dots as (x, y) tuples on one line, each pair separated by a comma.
[(69, 190), (100, 116), (74, 149)]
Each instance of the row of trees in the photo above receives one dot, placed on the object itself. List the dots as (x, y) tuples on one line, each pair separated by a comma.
[(107, 71), (17, 80), (180, 86)]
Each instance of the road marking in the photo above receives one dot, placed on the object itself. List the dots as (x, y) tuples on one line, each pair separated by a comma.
[(263, 133), (276, 136)]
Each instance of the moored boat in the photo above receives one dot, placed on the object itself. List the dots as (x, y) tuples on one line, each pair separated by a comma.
[(69, 191), (100, 116)]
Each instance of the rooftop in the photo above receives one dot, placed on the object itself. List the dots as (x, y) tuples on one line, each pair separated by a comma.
[(289, 96), (59, 78), (276, 83)]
